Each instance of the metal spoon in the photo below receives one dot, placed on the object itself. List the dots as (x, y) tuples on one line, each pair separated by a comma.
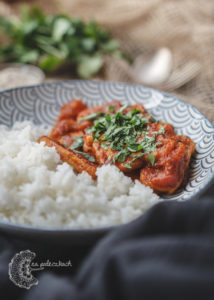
[(154, 68)]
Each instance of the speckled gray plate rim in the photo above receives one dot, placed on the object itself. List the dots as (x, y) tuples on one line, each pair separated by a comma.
[(41, 104)]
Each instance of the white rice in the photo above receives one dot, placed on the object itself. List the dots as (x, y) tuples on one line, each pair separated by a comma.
[(37, 188)]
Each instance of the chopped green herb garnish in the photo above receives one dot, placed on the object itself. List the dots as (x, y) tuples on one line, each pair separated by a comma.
[(125, 133), (151, 158), (77, 144), (148, 143), (161, 131), (92, 116), (108, 118), (123, 107), (135, 111), (86, 155), (104, 146), (121, 156), (111, 108), (129, 164)]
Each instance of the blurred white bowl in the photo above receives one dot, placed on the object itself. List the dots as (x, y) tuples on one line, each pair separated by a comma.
[(16, 75)]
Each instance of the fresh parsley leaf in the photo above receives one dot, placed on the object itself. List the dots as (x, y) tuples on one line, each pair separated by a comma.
[(77, 144), (134, 147), (108, 118), (151, 158), (123, 155), (89, 65), (92, 116), (135, 111), (49, 62), (120, 156), (86, 155), (148, 143), (60, 27), (51, 41), (104, 146), (129, 164), (123, 107), (161, 131), (111, 108)]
